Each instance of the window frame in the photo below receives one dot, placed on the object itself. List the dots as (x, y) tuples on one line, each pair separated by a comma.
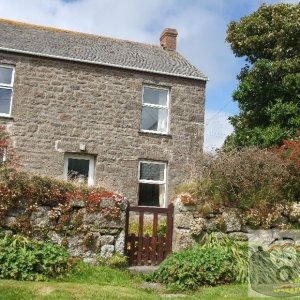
[(8, 87), (3, 157), (92, 164), (159, 182), (166, 107)]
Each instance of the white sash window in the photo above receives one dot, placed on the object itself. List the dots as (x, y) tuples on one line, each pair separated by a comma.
[(6, 89), (155, 110), (152, 183)]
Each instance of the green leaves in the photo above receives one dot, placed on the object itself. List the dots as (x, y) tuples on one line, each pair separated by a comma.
[(238, 252), (272, 32), (195, 267), (217, 260), (269, 85), (25, 259)]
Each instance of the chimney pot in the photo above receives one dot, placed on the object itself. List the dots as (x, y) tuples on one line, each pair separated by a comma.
[(168, 38)]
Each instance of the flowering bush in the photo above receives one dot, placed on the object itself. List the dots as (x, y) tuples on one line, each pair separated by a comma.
[(289, 152), (294, 213), (256, 218), (187, 199), (94, 197)]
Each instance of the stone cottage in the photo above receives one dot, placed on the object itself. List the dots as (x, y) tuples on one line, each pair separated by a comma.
[(124, 115)]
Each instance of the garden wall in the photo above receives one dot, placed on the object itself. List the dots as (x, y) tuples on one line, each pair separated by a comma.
[(192, 219), (86, 232), (92, 228)]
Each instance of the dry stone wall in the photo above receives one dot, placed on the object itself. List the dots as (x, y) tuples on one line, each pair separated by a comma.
[(84, 233), (190, 223)]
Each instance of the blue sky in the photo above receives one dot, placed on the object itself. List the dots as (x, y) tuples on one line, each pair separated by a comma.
[(201, 25)]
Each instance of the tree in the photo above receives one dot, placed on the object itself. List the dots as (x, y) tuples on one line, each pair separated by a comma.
[(269, 84)]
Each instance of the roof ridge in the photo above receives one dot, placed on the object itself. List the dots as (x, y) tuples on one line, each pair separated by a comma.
[(68, 31)]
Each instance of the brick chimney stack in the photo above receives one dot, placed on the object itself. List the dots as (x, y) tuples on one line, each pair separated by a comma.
[(168, 39)]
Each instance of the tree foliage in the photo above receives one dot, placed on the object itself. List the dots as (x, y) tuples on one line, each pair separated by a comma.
[(269, 84)]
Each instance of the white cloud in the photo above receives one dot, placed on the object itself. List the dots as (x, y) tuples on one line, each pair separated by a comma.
[(217, 128), (124, 19)]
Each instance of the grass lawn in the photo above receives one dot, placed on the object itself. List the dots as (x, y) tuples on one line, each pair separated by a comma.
[(86, 282)]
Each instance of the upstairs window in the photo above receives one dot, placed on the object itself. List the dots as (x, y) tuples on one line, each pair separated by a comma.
[(6, 89), (79, 168), (155, 110), (152, 183)]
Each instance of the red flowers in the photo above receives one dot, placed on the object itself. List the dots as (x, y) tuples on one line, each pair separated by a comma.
[(290, 151)]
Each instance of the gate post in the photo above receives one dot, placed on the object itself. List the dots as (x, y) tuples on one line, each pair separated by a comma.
[(170, 215), (126, 228)]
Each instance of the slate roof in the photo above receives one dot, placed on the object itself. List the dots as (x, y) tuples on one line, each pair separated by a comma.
[(61, 44)]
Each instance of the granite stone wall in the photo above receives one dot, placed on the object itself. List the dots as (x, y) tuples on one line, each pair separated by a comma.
[(190, 223), (84, 233), (58, 105)]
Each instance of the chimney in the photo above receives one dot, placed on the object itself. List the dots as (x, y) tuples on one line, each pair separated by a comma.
[(168, 39)]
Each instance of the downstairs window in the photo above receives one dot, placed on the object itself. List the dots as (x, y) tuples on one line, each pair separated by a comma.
[(152, 183), (79, 168)]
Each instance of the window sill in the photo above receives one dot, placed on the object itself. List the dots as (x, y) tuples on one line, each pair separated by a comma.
[(3, 117), (155, 134)]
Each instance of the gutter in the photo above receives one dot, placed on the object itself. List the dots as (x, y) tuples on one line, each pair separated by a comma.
[(100, 63)]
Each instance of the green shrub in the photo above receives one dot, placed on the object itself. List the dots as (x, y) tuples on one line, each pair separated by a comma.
[(238, 252), (25, 259), (117, 261), (195, 267), (148, 227), (246, 179), (218, 259)]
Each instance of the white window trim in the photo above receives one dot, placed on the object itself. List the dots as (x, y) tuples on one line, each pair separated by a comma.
[(8, 87), (4, 157), (157, 106), (161, 182), (91, 158)]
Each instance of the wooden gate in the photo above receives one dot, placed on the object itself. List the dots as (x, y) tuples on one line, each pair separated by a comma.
[(145, 249)]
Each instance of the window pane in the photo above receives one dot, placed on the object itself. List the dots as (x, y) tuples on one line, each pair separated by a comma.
[(151, 194), (151, 171), (78, 169), (5, 96), (154, 119), (5, 75), (155, 96)]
